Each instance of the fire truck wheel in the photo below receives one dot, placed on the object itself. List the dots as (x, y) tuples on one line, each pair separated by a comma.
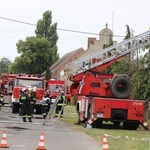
[(116, 123), (121, 87), (130, 125)]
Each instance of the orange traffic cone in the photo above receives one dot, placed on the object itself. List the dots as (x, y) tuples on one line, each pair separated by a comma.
[(105, 143), (41, 145), (4, 140)]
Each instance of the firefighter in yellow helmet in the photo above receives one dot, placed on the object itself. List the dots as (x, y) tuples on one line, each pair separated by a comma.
[(32, 95)]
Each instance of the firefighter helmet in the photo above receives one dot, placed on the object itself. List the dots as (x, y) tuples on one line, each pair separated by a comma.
[(24, 89), (34, 89), (30, 89)]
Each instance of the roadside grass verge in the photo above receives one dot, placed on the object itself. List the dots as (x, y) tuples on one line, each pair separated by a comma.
[(118, 138)]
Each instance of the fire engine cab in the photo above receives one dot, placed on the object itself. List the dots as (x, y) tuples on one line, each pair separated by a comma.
[(105, 96), (54, 85), (8, 82), (22, 81)]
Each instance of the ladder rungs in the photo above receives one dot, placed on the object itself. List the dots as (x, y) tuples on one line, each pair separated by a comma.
[(108, 54)]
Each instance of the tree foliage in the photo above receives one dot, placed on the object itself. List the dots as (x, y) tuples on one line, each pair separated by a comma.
[(128, 32), (141, 79), (4, 65), (48, 73), (46, 29), (36, 53)]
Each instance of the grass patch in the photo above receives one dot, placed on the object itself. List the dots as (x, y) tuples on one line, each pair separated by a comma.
[(117, 137)]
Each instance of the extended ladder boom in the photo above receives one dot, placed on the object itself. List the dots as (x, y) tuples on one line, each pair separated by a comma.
[(106, 55)]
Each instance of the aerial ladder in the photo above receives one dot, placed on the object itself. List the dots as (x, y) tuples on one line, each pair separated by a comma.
[(89, 80), (110, 54), (97, 62)]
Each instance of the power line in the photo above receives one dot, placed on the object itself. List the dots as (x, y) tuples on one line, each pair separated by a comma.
[(17, 21), (66, 30)]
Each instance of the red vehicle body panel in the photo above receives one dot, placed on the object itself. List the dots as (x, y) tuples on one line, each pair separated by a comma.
[(59, 84), (54, 86), (17, 88), (6, 79), (135, 108)]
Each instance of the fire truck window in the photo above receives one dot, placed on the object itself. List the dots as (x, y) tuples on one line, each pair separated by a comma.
[(26, 83), (54, 88)]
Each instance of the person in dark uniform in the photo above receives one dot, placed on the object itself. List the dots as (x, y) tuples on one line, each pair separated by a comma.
[(25, 100), (1, 98), (32, 95), (60, 105), (2, 88)]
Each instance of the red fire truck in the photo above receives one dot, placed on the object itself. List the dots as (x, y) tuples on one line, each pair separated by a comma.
[(8, 81), (54, 85), (22, 81), (106, 97)]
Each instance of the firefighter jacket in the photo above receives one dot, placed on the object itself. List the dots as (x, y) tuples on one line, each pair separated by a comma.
[(32, 96), (1, 99), (24, 98), (61, 101)]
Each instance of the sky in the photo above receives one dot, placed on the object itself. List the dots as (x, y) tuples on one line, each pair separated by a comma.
[(88, 17)]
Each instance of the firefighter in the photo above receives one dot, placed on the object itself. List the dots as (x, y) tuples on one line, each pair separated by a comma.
[(25, 100), (20, 102), (1, 98), (60, 105), (45, 104), (32, 95), (2, 87)]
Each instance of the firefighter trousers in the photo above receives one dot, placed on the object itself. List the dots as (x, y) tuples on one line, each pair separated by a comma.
[(58, 109), (26, 112)]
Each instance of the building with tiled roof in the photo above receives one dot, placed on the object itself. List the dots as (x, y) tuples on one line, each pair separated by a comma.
[(62, 63)]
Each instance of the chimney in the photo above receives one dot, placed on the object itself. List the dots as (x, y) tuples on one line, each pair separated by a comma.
[(90, 41)]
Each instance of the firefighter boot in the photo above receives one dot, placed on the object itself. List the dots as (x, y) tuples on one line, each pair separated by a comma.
[(24, 119), (44, 116), (29, 119)]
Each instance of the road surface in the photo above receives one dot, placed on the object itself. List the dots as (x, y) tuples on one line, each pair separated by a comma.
[(57, 136)]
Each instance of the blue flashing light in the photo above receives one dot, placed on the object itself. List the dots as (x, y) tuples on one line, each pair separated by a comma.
[(38, 75)]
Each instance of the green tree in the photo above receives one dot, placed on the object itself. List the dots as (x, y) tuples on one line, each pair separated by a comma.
[(16, 66), (48, 73), (141, 79), (4, 65), (128, 32), (46, 29), (35, 55)]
